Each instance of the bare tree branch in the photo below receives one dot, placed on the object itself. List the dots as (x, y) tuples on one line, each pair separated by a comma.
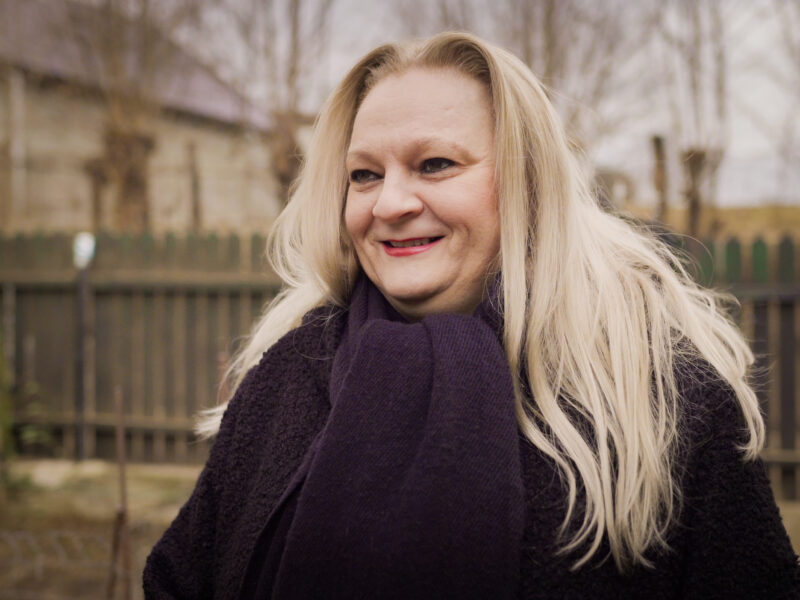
[(281, 42)]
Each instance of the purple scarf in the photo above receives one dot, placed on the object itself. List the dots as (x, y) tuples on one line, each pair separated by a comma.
[(413, 488)]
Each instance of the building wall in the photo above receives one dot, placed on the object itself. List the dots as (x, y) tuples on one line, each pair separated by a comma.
[(62, 132), (236, 190), (63, 129)]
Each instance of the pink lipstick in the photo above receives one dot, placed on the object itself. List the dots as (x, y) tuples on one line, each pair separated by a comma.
[(409, 246)]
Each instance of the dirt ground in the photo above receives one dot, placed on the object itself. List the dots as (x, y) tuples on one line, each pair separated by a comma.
[(57, 522), (56, 525)]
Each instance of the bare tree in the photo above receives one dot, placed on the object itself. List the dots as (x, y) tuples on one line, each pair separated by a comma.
[(427, 18), (588, 54), (282, 43), (696, 37), (125, 48), (609, 65)]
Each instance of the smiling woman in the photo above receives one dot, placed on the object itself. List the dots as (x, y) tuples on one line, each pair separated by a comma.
[(421, 210), (475, 383)]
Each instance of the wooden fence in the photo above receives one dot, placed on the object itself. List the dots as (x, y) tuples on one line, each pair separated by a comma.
[(765, 280), (160, 316)]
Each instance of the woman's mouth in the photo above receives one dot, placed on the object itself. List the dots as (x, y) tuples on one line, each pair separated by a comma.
[(409, 246)]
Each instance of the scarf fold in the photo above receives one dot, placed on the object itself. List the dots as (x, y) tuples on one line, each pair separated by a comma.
[(413, 488)]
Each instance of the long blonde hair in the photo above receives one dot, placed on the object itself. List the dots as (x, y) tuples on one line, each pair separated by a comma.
[(596, 313)]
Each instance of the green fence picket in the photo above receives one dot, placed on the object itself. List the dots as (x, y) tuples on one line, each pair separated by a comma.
[(760, 267), (232, 253), (785, 272), (171, 258), (257, 246), (733, 261)]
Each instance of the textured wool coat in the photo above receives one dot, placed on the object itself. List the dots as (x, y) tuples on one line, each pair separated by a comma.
[(729, 542)]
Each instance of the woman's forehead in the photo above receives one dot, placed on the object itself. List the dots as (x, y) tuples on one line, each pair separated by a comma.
[(424, 107), (434, 84)]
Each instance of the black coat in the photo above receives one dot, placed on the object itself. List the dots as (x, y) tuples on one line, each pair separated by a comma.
[(729, 542)]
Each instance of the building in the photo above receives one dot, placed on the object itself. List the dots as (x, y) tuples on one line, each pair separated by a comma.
[(107, 124)]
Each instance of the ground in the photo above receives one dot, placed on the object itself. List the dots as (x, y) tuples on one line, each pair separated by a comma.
[(56, 525)]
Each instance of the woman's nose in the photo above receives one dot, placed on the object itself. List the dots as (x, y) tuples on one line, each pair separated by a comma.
[(397, 199)]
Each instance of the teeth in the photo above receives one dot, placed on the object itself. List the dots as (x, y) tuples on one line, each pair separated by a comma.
[(409, 244)]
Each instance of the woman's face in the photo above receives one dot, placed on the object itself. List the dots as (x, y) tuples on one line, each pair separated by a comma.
[(421, 207)]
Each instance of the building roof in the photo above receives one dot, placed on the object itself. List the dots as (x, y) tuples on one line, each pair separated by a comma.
[(59, 38)]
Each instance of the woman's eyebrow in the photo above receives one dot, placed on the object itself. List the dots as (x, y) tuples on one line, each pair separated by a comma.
[(438, 143), (420, 144), (358, 153)]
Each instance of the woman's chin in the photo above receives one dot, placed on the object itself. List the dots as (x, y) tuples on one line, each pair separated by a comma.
[(415, 307), (412, 306)]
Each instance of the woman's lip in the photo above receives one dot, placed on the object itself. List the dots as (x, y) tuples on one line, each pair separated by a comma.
[(408, 250)]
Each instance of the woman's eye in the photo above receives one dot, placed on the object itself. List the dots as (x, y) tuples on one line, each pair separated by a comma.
[(362, 176), (433, 165)]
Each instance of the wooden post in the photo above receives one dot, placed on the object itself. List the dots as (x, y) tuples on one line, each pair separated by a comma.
[(245, 312), (29, 361), (224, 334), (660, 180), (179, 372), (7, 383), (85, 371), (787, 349), (157, 369), (760, 275), (204, 370), (120, 545), (223, 362), (117, 361), (765, 325), (694, 162), (138, 369), (89, 375), (10, 331)]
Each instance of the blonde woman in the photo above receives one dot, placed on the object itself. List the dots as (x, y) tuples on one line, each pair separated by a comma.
[(475, 383)]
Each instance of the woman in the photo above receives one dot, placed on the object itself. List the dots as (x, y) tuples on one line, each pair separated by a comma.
[(475, 383)]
